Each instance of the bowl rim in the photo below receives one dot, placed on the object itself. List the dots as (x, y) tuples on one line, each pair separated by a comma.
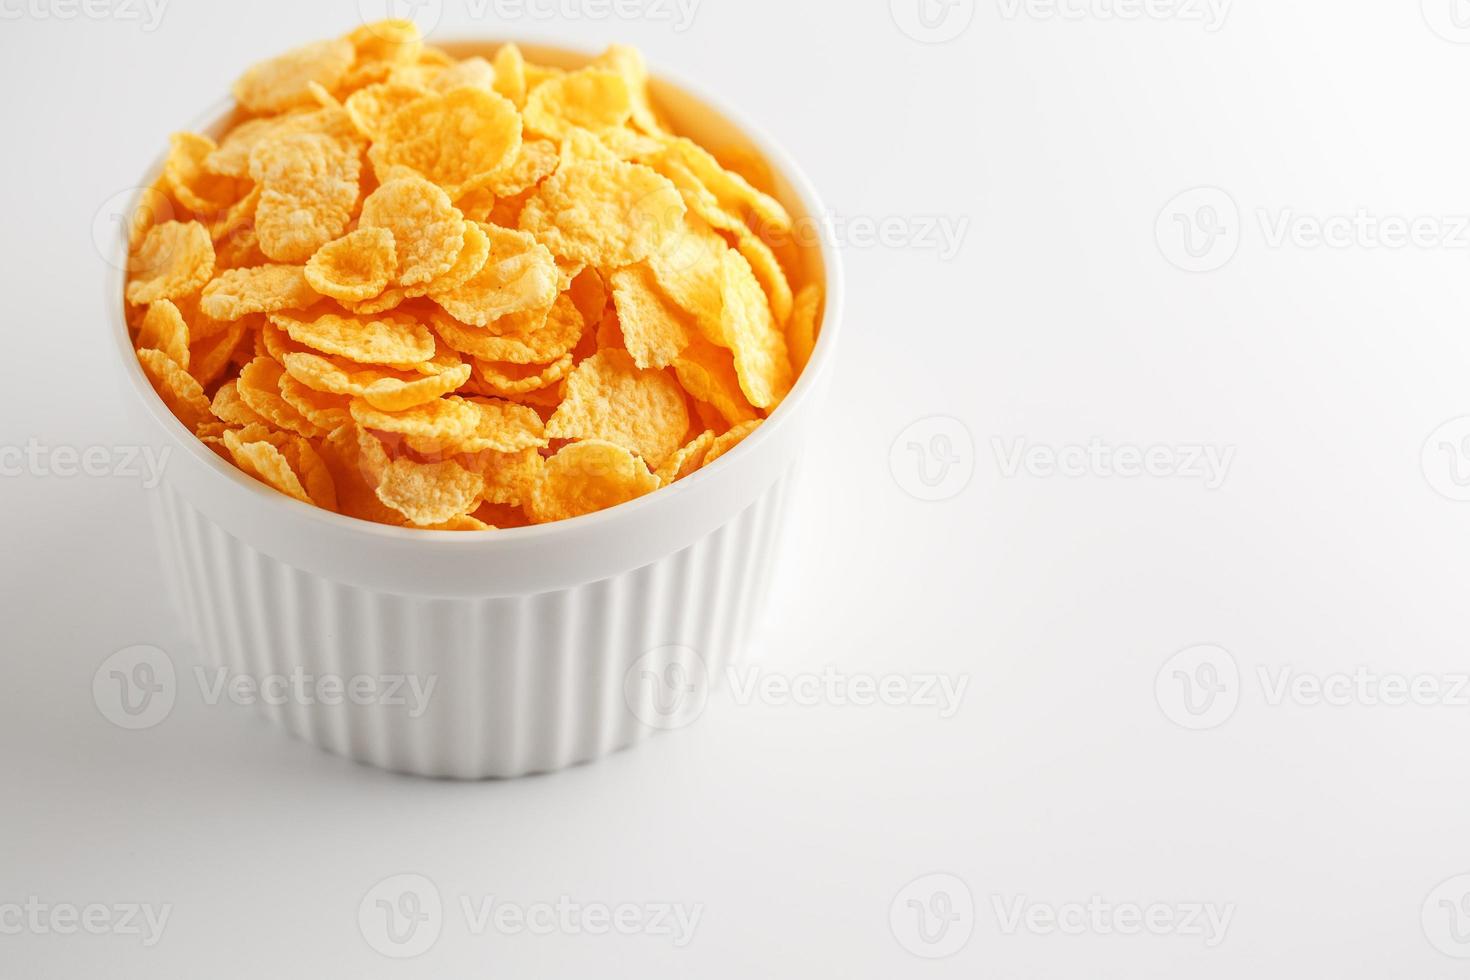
[(725, 468)]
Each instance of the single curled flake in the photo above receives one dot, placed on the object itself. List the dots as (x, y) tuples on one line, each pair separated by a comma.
[(355, 267), (284, 81), (174, 259), (610, 398), (308, 191), (586, 477), (427, 229), (604, 214)]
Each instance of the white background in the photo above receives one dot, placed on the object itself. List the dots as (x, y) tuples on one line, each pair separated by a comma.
[(1057, 143)]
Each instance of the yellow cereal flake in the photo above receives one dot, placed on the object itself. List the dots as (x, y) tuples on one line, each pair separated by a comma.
[(210, 356), (395, 41), (518, 274), (259, 385), (749, 330), (610, 398), (510, 74), (517, 379), (535, 161), (628, 62), (389, 338), (801, 332), (371, 106), (231, 409), (194, 187), (472, 72), (708, 373), (471, 260), (430, 493), (355, 267), (724, 443), (654, 330), (531, 337), (236, 293), (428, 230), (163, 328), (324, 411), (732, 190), (586, 477), (267, 464), (687, 460), (173, 260), (308, 191), (178, 389), (282, 82), (457, 139), (592, 99), (444, 420), (397, 395), (604, 214)]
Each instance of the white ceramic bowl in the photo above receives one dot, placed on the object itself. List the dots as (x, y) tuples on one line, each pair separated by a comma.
[(547, 646)]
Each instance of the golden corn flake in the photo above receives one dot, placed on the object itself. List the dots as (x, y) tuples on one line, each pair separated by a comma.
[(536, 160), (259, 385), (231, 409), (267, 464), (732, 190), (604, 214), (472, 72), (749, 331), (263, 289), (163, 328), (371, 106), (593, 98), (282, 82), (173, 260), (531, 337), (586, 477), (518, 274), (308, 190), (389, 338), (517, 379), (471, 260), (801, 332), (430, 493), (628, 62), (394, 41), (610, 398), (397, 395), (708, 373), (654, 330), (767, 269), (457, 139), (355, 267), (178, 389), (444, 420), (510, 74), (687, 460), (510, 478), (724, 443), (193, 186), (428, 230), (209, 357), (324, 411)]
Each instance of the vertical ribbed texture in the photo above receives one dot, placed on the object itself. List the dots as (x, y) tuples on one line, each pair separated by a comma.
[(521, 684)]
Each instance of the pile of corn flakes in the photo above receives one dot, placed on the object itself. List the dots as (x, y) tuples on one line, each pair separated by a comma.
[(462, 294)]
